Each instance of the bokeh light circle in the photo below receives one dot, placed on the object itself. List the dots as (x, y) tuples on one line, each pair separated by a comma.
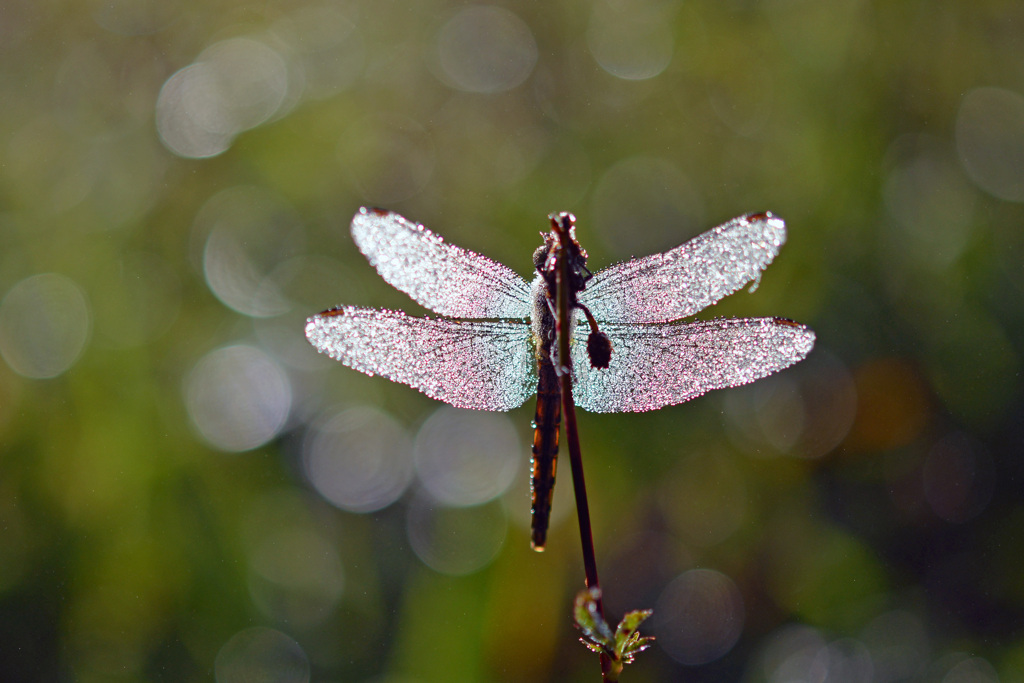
[(972, 670), (485, 49), (630, 40), (252, 81), (44, 325), (456, 541), (846, 659), (185, 100), (800, 653), (232, 86), (359, 459), (643, 205), (326, 45), (932, 202), (699, 616), (296, 575), (990, 139), (466, 457), (806, 411), (788, 653), (898, 643), (238, 398), (251, 232), (261, 654), (770, 413)]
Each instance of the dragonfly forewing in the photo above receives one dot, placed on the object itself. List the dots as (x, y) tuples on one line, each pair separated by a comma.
[(664, 364), (683, 281), (439, 275), (484, 365)]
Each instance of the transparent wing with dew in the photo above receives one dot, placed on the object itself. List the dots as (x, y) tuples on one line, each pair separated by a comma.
[(474, 364), (664, 364), (445, 278), (680, 282)]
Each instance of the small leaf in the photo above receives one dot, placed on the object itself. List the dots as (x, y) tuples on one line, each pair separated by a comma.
[(588, 619), (628, 641), (634, 646), (631, 622), (621, 647)]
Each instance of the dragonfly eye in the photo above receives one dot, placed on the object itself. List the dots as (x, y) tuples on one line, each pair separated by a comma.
[(540, 258), (568, 222), (562, 221)]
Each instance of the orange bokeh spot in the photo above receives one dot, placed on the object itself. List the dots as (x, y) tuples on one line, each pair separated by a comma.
[(892, 405)]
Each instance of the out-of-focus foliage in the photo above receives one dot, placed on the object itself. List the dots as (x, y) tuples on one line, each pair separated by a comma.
[(188, 492)]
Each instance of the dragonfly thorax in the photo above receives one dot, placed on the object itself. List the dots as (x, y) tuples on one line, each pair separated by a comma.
[(542, 318)]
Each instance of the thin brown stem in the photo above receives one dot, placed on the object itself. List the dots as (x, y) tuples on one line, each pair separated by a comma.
[(564, 369)]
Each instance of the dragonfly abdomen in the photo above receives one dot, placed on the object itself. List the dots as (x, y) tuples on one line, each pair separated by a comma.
[(546, 422)]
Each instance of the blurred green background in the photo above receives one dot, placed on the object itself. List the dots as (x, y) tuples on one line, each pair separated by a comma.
[(188, 492)]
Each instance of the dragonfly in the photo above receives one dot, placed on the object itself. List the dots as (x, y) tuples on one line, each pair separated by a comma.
[(492, 344)]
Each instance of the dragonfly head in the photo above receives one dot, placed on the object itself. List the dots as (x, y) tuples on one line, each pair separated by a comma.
[(563, 225), (563, 236)]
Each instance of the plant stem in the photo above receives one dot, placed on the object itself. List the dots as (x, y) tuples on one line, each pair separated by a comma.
[(582, 509), (564, 369)]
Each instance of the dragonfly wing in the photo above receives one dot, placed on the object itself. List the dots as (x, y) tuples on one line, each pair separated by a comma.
[(474, 364), (689, 278), (440, 276), (664, 364)]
